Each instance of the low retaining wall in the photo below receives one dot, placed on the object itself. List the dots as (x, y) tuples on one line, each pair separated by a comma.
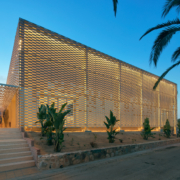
[(35, 151), (60, 160)]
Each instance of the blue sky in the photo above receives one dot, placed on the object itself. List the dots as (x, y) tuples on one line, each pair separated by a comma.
[(92, 23)]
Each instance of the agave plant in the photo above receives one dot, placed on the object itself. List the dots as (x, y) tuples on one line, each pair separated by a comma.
[(110, 126), (146, 132), (167, 129), (41, 115), (58, 123), (170, 28)]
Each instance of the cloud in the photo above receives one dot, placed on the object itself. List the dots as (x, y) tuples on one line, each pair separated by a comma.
[(3, 79)]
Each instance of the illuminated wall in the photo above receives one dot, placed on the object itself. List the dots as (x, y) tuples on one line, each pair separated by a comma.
[(51, 68)]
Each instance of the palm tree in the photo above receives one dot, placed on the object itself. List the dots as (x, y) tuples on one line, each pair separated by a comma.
[(169, 29), (115, 2)]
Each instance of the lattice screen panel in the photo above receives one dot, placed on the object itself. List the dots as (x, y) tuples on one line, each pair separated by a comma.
[(7, 93), (130, 93), (58, 73), (51, 68), (150, 100), (103, 89)]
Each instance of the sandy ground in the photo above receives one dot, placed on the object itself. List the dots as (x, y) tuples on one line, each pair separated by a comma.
[(75, 141)]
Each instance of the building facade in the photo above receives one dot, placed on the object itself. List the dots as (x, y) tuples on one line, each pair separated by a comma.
[(47, 67)]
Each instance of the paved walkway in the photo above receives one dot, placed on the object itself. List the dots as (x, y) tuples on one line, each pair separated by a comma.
[(18, 173), (157, 164)]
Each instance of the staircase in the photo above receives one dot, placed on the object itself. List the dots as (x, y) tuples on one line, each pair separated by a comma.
[(14, 150)]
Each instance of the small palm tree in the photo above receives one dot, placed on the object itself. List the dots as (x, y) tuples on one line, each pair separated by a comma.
[(41, 115), (49, 123), (170, 28), (110, 125), (58, 123)]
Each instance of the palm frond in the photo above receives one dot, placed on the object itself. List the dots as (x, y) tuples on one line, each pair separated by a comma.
[(175, 55), (115, 2), (169, 5), (161, 42), (159, 26), (164, 74)]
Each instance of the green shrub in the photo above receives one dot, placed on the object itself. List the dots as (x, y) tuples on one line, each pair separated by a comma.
[(58, 124), (146, 132), (110, 125), (167, 129), (41, 115), (178, 128), (49, 123)]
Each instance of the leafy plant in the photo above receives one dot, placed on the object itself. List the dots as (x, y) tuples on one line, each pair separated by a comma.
[(167, 129), (110, 125), (58, 123), (178, 126), (93, 144), (146, 132), (120, 140), (41, 115), (49, 128)]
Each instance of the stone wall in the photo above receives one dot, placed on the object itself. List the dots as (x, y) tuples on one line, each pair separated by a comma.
[(60, 160)]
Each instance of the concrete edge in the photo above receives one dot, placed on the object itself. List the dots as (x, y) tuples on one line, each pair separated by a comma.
[(35, 151)]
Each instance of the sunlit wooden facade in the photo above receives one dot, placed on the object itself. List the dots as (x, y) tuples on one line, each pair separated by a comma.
[(48, 67)]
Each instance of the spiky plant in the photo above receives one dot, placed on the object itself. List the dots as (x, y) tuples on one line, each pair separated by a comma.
[(58, 123), (110, 126), (169, 29), (167, 129), (41, 115), (49, 123)]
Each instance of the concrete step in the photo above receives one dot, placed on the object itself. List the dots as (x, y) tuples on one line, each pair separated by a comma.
[(13, 150), (10, 141), (16, 165), (16, 159), (9, 130), (10, 146), (12, 132), (10, 137), (13, 155)]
